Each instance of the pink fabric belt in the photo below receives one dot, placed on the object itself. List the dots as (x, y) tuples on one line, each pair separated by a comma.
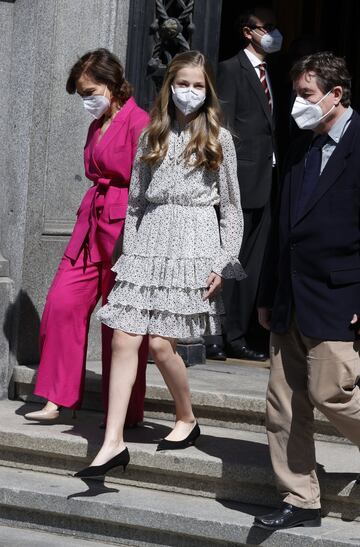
[(111, 182)]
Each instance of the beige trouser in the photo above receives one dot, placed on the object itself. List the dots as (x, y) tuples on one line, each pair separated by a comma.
[(306, 372)]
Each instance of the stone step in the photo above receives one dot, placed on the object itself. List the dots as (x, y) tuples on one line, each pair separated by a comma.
[(16, 536), (142, 517), (226, 464), (227, 394)]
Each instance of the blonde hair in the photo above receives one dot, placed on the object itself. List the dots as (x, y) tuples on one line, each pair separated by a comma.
[(204, 128)]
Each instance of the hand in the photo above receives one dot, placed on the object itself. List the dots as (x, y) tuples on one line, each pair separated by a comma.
[(213, 283), (264, 317), (356, 319)]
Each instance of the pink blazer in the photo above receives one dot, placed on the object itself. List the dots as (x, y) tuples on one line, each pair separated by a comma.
[(108, 163)]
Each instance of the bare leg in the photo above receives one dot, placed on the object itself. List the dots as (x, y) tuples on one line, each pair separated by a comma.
[(50, 406), (173, 371), (124, 364)]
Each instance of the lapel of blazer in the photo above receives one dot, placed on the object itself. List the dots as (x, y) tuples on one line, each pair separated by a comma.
[(254, 81), (296, 176), (334, 167), (116, 125)]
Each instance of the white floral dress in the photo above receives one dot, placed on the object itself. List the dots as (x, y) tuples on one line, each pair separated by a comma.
[(173, 239)]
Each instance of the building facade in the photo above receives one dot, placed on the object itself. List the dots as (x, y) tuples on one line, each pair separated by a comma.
[(42, 129)]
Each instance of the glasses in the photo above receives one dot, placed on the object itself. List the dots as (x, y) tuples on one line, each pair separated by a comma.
[(268, 27)]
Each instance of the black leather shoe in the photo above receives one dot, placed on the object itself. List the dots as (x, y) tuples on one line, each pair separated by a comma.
[(121, 459), (215, 351), (289, 516), (238, 351), (164, 444)]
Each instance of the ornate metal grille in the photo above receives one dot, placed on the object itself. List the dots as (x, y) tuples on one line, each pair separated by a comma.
[(172, 30)]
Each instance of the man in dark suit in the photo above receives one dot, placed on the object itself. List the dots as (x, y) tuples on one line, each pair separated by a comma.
[(309, 293), (247, 99)]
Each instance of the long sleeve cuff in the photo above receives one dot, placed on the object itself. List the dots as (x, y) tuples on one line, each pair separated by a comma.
[(229, 268)]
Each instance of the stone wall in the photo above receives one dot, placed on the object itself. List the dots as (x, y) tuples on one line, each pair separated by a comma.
[(7, 291), (43, 130)]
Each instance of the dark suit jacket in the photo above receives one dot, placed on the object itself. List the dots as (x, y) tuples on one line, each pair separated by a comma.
[(313, 262), (248, 115)]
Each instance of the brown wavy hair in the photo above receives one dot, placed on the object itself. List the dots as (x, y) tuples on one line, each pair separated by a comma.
[(329, 71), (204, 128), (104, 68)]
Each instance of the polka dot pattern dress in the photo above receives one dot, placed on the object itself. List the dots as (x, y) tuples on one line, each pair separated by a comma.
[(182, 224)]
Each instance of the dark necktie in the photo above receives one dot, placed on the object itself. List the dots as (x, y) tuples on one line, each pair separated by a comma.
[(311, 172)]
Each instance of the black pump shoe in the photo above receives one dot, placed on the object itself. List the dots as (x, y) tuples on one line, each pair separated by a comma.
[(176, 445), (121, 459), (289, 516)]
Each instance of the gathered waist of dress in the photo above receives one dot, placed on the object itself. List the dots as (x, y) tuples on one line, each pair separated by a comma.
[(181, 205)]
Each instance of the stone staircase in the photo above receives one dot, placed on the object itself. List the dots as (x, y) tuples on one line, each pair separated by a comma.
[(204, 496)]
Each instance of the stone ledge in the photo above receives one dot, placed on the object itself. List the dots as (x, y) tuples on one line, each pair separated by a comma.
[(6, 333), (4, 266), (136, 515), (27, 537), (229, 395)]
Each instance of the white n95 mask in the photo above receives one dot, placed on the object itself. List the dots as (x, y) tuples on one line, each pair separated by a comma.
[(271, 41), (96, 105), (187, 99), (308, 115)]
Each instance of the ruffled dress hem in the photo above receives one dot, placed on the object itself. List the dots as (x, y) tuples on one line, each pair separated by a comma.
[(161, 323)]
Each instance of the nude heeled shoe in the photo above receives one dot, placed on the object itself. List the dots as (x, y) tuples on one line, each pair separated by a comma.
[(43, 415), (47, 415)]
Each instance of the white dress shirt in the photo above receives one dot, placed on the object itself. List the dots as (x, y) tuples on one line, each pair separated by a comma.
[(256, 62), (335, 135)]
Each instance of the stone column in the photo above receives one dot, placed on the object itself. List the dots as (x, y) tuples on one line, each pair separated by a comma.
[(6, 284), (41, 168)]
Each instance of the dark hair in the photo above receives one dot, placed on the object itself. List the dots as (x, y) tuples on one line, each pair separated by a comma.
[(247, 18), (104, 68), (329, 71)]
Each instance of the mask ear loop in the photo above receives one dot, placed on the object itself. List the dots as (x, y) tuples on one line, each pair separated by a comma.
[(331, 109), (257, 34), (256, 43), (324, 97)]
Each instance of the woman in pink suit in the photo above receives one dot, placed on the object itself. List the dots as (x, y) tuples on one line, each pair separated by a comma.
[(84, 275)]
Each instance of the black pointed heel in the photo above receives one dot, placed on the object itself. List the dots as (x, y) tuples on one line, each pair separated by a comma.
[(121, 459), (178, 445)]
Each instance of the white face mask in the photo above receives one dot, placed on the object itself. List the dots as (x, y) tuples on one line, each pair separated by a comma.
[(308, 115), (97, 105), (187, 99), (271, 41)]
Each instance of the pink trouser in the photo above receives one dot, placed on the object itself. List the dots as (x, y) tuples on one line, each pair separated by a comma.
[(64, 328)]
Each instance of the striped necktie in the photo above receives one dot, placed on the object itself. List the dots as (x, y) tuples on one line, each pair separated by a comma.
[(262, 76)]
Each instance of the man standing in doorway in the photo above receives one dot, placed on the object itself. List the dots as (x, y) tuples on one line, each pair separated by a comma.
[(247, 99), (309, 294)]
